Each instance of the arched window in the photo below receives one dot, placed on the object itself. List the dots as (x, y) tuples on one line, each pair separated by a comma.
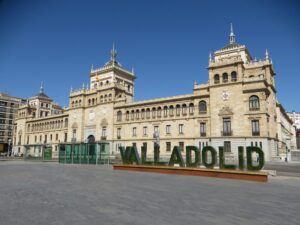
[(89, 101), (79, 102), (202, 107), (171, 110), (159, 112), (72, 104), (127, 115), (177, 110), (66, 122), (191, 108), (137, 114), (233, 76), (165, 111), (217, 78), (143, 114), (93, 101), (109, 97), (184, 109), (148, 113), (132, 114), (101, 98), (225, 77), (107, 82), (253, 103), (119, 116), (105, 98), (153, 112), (101, 83)]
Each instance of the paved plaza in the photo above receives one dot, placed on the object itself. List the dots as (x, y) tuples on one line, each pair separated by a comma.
[(49, 193)]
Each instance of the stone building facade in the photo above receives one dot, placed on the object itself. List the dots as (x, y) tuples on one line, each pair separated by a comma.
[(237, 107)]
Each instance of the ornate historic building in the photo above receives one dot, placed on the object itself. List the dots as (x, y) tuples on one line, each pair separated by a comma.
[(237, 107)]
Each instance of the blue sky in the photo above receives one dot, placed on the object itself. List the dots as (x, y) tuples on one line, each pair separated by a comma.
[(167, 43)]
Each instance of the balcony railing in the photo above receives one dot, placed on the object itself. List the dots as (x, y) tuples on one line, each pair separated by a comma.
[(103, 137), (256, 133), (226, 133), (254, 109), (203, 134), (118, 137)]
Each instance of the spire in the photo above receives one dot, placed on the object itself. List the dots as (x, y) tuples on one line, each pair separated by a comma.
[(231, 36), (71, 90), (42, 88), (210, 57), (113, 54)]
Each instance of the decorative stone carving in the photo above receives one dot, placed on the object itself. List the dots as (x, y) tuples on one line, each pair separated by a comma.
[(225, 111)]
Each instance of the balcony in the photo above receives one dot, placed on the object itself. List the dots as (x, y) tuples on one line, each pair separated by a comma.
[(226, 133), (103, 137), (119, 137), (203, 134), (256, 133)]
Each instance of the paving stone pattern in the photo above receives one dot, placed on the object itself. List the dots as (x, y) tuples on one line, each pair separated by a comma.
[(36, 193)]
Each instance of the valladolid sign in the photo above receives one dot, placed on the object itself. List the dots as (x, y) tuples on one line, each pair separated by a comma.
[(130, 155)]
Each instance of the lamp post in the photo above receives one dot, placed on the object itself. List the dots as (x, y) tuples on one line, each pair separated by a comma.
[(286, 151)]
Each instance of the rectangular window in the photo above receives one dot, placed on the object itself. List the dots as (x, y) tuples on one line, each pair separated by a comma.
[(35, 139), (119, 133), (199, 145), (104, 132), (66, 137), (168, 129), (50, 137), (156, 130), (168, 146), (134, 131), (255, 128), (145, 131), (56, 137), (45, 141), (180, 128), (181, 145), (202, 129), (40, 138), (227, 127), (227, 146)]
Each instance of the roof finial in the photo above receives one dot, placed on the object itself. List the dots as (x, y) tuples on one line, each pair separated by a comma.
[(267, 54), (210, 57), (71, 90), (231, 36), (42, 88), (92, 67), (113, 54), (82, 86), (132, 70)]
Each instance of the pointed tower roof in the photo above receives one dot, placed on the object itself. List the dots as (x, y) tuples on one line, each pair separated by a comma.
[(41, 93), (232, 43), (113, 58)]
